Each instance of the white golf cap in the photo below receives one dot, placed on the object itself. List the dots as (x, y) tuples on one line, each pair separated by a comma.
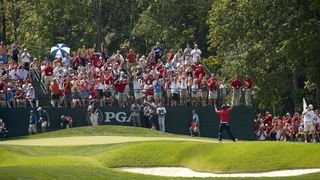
[(310, 106)]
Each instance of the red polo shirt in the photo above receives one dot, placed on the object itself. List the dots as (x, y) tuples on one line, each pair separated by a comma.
[(120, 86), (248, 83), (236, 83), (224, 115), (212, 83), (131, 57), (48, 71)]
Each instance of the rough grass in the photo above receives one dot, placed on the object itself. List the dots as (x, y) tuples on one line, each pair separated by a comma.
[(95, 161)]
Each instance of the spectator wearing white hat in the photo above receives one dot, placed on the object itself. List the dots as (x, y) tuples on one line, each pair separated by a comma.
[(309, 126)]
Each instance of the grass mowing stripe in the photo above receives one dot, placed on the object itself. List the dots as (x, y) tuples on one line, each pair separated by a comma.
[(102, 130)]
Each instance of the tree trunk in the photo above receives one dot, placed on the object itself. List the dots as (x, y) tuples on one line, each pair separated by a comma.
[(97, 9), (3, 21), (14, 21), (274, 110), (318, 96), (295, 88)]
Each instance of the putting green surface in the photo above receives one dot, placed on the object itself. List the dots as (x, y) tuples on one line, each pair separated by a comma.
[(95, 140)]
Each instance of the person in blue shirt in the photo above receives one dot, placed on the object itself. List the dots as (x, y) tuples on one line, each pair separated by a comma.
[(195, 124), (10, 98), (158, 51), (157, 88), (33, 120), (84, 95)]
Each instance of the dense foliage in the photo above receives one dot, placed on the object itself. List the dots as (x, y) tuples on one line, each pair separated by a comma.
[(276, 42)]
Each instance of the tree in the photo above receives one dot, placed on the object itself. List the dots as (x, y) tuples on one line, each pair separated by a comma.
[(273, 41)]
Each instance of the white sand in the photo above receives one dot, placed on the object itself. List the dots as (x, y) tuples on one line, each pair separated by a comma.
[(185, 172), (93, 140)]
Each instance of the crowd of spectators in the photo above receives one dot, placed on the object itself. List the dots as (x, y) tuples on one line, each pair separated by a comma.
[(174, 79), (298, 127), (16, 89)]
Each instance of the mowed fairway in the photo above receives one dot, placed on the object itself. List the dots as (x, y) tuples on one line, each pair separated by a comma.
[(94, 152)]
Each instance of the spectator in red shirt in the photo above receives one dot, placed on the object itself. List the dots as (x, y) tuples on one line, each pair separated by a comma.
[(120, 86), (67, 92), (131, 58), (199, 70), (248, 83), (236, 86), (213, 86), (224, 114), (48, 75)]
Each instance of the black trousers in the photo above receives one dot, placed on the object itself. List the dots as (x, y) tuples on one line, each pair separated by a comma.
[(227, 127)]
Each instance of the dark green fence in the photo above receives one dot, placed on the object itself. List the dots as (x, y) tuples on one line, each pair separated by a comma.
[(178, 120)]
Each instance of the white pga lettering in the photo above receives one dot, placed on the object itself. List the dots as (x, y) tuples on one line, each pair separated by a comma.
[(120, 117)]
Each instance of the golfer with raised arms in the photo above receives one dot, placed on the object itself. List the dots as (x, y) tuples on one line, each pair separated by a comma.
[(224, 114)]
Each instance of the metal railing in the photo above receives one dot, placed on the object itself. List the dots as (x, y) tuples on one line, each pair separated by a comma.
[(37, 74)]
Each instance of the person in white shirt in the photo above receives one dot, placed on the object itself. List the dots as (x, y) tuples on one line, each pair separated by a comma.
[(25, 58), (137, 88), (184, 90), (161, 111), (175, 87), (14, 74), (195, 53), (309, 126), (22, 73), (195, 93), (31, 95), (100, 87)]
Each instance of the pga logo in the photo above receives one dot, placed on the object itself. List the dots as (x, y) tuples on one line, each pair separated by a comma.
[(120, 117)]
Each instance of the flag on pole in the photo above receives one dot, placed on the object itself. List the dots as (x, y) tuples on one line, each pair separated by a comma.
[(304, 104)]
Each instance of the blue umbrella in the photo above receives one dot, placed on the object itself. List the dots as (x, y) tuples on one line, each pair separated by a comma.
[(59, 50)]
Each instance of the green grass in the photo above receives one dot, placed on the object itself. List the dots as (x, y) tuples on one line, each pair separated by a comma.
[(97, 161), (106, 130)]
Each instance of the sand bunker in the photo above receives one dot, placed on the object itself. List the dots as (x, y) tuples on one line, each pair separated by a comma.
[(185, 172)]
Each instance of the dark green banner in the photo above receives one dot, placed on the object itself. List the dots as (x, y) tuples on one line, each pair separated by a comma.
[(178, 120)]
